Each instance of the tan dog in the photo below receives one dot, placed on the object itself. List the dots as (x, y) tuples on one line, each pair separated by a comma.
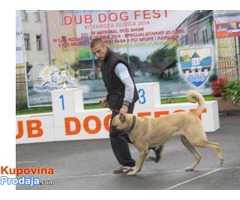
[(146, 133)]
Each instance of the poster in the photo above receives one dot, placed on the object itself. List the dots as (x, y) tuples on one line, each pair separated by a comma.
[(227, 23), (57, 43)]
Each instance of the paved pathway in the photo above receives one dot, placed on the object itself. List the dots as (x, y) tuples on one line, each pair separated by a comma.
[(88, 165)]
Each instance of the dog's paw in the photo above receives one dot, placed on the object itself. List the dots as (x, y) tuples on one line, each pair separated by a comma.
[(151, 158), (189, 169), (220, 162), (133, 172)]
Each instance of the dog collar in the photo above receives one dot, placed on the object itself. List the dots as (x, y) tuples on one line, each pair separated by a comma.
[(133, 123)]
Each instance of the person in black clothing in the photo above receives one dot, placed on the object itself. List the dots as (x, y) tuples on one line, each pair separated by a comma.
[(121, 96)]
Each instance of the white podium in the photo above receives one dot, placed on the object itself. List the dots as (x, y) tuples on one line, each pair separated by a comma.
[(69, 120), (149, 95), (67, 101)]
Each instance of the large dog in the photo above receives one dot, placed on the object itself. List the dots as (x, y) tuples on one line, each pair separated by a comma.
[(147, 133)]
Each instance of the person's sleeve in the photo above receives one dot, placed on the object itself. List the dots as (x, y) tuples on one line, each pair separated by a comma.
[(122, 72)]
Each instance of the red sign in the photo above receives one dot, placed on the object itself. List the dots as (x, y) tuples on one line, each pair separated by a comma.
[(228, 29)]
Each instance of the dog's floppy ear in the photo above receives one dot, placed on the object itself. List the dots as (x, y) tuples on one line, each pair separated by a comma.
[(122, 117)]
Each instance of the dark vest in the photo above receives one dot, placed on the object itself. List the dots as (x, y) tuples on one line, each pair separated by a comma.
[(113, 84)]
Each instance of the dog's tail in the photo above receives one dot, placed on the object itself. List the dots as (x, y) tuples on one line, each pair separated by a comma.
[(192, 96)]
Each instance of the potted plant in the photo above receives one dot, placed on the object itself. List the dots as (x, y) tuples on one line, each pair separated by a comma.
[(227, 93), (232, 90)]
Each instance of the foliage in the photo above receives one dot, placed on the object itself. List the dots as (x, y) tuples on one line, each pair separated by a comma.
[(232, 90), (217, 86), (134, 60), (163, 54), (221, 87), (33, 110)]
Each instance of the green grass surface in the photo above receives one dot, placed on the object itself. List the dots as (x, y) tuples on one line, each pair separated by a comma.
[(37, 110)]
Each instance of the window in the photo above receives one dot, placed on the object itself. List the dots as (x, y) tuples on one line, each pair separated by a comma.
[(196, 39), (28, 68), (37, 17), (39, 42), (182, 40), (205, 36), (24, 15), (186, 40), (27, 41)]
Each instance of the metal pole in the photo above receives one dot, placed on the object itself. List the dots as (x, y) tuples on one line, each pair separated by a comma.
[(236, 54), (238, 38), (93, 66)]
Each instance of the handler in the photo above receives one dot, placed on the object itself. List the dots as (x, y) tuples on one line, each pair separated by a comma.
[(122, 95)]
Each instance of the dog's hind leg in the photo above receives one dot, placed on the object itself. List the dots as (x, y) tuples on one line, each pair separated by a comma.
[(157, 151), (212, 145), (197, 156)]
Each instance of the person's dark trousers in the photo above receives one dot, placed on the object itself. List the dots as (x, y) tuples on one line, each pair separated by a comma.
[(119, 142)]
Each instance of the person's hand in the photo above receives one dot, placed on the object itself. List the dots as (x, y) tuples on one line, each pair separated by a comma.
[(123, 110), (104, 102)]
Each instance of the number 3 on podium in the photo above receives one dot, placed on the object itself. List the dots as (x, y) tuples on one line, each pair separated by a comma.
[(142, 97)]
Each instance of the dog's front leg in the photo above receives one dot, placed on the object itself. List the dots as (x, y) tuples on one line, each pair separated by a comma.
[(140, 162)]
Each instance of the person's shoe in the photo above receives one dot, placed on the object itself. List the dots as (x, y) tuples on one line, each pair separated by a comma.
[(123, 169)]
